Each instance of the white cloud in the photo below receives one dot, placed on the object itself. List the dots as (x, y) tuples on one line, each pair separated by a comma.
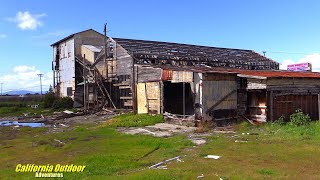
[(58, 33), (25, 78), (21, 69), (27, 21), (314, 59), (2, 36)]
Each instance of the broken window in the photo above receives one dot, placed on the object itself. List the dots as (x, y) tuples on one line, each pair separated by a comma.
[(69, 91)]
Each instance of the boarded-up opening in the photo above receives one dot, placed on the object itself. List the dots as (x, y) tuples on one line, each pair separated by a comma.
[(285, 105), (257, 105), (173, 98), (148, 96)]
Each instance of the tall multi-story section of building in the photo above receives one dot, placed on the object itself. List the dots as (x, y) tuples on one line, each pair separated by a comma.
[(64, 64)]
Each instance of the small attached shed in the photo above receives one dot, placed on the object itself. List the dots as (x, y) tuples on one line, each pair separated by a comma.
[(274, 94), (202, 92)]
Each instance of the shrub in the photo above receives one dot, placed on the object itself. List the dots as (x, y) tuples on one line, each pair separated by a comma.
[(280, 121), (49, 99), (63, 103), (299, 118)]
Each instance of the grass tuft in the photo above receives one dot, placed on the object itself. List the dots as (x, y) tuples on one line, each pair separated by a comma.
[(132, 120)]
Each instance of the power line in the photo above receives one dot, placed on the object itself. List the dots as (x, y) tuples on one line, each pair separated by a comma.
[(283, 52)]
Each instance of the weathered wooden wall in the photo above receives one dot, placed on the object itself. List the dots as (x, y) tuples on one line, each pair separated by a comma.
[(216, 87), (89, 37), (148, 74), (286, 95), (124, 61)]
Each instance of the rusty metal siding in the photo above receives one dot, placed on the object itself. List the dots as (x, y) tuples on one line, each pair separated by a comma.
[(166, 75), (214, 91)]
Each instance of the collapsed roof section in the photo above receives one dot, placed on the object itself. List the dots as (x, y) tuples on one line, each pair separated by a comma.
[(154, 52)]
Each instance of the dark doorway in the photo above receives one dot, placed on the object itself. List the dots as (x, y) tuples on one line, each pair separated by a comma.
[(173, 98)]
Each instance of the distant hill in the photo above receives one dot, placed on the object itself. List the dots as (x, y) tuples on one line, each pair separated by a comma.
[(20, 92)]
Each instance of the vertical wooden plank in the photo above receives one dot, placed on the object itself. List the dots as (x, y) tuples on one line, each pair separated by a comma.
[(318, 106), (141, 98), (271, 106)]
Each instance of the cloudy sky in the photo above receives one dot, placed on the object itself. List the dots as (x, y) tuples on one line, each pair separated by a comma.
[(288, 30)]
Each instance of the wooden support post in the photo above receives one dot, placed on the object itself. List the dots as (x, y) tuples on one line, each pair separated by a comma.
[(133, 87), (319, 106), (84, 85), (271, 106), (184, 94)]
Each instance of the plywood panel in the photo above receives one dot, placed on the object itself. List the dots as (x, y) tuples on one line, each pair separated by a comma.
[(154, 97), (141, 98), (182, 76)]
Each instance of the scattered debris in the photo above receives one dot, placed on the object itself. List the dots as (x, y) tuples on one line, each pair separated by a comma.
[(163, 162), (162, 167), (198, 141), (240, 141), (224, 132), (42, 116), (201, 176), (148, 131), (250, 134), (68, 112), (63, 125), (57, 140), (35, 106), (212, 157)]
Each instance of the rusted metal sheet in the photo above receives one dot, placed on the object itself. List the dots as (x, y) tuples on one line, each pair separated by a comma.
[(166, 75), (182, 76)]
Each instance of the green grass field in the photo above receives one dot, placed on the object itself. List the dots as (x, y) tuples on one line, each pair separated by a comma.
[(272, 152)]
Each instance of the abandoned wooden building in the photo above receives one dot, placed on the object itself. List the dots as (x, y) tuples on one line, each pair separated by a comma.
[(208, 83)]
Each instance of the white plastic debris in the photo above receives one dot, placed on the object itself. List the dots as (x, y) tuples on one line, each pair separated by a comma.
[(240, 141), (201, 176), (212, 157), (148, 131), (68, 112)]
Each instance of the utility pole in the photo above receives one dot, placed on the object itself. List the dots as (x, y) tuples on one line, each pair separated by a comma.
[(40, 75), (106, 54), (1, 88)]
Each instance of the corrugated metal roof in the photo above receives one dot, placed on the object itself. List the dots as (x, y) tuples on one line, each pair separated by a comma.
[(252, 73)]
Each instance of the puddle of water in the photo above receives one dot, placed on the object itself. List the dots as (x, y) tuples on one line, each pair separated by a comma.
[(16, 123)]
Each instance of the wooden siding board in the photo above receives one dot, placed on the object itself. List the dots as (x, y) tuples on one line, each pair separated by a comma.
[(182, 76), (213, 91), (149, 74)]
